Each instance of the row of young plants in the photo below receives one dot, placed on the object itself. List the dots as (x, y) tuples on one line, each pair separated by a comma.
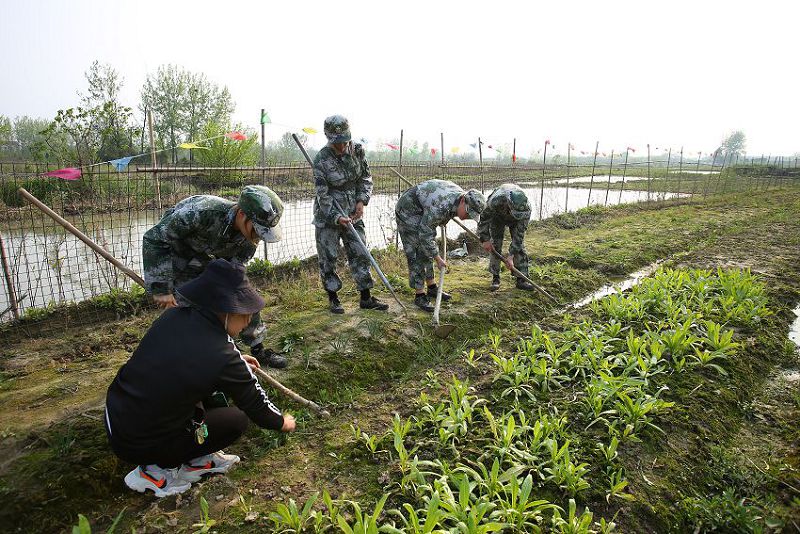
[(545, 438)]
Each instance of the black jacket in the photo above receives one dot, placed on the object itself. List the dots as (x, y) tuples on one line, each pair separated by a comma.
[(184, 357)]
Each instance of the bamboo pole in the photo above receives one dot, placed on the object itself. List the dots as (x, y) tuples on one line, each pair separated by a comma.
[(12, 295), (291, 394), (153, 157), (80, 235), (610, 168), (591, 180), (544, 167)]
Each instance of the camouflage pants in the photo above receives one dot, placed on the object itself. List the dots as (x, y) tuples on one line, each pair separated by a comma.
[(420, 267), (521, 259), (328, 251), (253, 333)]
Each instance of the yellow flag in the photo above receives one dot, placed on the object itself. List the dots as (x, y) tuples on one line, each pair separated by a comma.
[(309, 130), (455, 150), (191, 146)]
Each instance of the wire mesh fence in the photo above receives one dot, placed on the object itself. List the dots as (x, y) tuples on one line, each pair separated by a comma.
[(46, 267)]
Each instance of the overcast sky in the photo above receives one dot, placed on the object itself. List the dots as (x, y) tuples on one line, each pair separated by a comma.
[(625, 73)]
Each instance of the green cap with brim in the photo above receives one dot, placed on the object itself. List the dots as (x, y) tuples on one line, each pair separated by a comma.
[(268, 234)]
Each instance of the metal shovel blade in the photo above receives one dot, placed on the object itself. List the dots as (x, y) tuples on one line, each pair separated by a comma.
[(443, 330)]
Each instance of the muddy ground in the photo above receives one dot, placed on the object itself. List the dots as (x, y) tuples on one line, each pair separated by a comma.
[(365, 366)]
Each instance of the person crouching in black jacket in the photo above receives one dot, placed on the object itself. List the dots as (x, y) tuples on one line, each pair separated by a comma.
[(155, 414)]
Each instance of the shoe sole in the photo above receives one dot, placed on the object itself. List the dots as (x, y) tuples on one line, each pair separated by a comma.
[(195, 476)]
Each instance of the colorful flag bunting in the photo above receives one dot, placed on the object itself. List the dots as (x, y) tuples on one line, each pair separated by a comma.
[(70, 173), (236, 136), (309, 130), (122, 163), (265, 118), (191, 146)]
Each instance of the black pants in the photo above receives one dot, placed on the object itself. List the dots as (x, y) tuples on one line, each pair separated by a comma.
[(225, 426)]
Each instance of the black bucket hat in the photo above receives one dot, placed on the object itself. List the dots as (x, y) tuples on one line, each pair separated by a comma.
[(223, 288)]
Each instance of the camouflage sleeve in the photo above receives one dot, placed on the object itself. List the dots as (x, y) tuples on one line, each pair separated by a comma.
[(324, 199), (157, 250), (518, 236), (364, 188)]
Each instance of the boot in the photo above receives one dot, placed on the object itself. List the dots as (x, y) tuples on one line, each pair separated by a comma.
[(495, 283), (373, 304), (524, 285), (432, 293), (268, 357), (422, 302), (333, 303)]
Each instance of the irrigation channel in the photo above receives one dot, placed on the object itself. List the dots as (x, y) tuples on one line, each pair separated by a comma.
[(74, 272)]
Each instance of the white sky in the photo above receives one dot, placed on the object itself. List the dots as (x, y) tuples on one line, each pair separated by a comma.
[(625, 73)]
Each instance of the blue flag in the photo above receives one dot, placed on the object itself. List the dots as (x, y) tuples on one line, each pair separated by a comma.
[(122, 163)]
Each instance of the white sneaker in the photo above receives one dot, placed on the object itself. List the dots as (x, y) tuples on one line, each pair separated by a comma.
[(160, 481), (217, 462)]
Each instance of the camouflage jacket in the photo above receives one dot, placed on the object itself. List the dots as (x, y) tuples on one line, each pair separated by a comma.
[(498, 212), (345, 178), (427, 206), (195, 231)]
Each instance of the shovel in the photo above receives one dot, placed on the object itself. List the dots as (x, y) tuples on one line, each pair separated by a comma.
[(441, 330)]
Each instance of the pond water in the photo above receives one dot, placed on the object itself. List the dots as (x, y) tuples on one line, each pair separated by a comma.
[(50, 265)]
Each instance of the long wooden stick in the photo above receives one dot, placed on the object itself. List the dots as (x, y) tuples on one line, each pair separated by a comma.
[(494, 251), (291, 394), (80, 235)]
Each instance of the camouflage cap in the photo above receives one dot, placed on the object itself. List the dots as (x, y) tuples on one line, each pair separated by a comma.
[(475, 203), (519, 206), (264, 209), (337, 129)]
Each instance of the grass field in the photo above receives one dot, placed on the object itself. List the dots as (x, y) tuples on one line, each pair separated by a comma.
[(673, 408)]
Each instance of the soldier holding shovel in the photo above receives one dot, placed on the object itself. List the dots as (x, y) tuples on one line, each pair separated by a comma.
[(343, 185), (506, 207), (418, 212)]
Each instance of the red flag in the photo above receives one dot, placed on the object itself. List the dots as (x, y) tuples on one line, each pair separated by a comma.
[(236, 136), (433, 152), (547, 141), (393, 147), (70, 173), (514, 158), (631, 149)]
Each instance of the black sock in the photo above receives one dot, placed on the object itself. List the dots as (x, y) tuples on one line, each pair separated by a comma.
[(365, 294), (332, 295)]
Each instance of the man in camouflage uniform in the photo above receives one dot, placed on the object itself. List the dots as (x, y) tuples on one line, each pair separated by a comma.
[(343, 186), (419, 211), (506, 207), (201, 228)]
